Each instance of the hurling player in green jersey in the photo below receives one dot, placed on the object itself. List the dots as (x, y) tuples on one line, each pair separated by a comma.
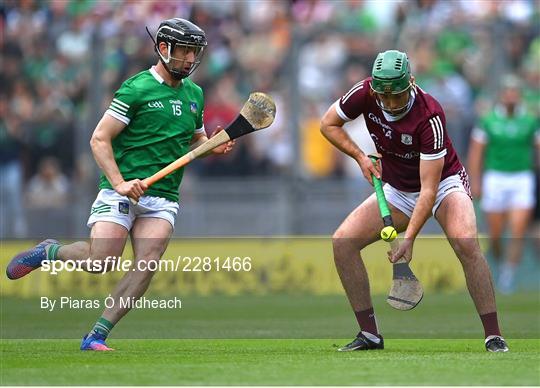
[(154, 118), (501, 163)]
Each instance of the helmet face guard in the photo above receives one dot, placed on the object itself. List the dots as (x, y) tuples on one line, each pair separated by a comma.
[(391, 81), (185, 67), (394, 103), (186, 35)]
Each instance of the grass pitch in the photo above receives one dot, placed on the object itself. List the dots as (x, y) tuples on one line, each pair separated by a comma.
[(271, 340), (268, 362)]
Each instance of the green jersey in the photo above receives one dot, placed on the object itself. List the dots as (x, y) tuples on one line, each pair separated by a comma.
[(509, 140), (160, 123)]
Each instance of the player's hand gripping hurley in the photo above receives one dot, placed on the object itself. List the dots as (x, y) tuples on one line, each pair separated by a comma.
[(257, 113), (406, 291)]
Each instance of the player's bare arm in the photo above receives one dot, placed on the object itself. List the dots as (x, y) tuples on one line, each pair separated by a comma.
[(430, 177), (101, 143), (474, 159), (332, 129)]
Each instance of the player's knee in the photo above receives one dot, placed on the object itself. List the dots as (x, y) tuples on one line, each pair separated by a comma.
[(462, 230), (148, 265), (338, 240), (467, 249), (344, 245)]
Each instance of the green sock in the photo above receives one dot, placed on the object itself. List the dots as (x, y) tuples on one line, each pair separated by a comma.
[(53, 251), (102, 327)]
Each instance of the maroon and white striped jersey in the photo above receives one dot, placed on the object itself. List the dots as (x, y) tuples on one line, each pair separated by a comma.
[(418, 133)]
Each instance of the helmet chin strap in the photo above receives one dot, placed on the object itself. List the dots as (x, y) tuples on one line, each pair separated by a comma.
[(175, 74)]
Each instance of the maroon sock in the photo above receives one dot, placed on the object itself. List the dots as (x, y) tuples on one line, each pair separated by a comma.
[(491, 324), (366, 320)]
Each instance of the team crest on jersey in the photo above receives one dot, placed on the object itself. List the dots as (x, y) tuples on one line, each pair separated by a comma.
[(193, 107), (406, 139)]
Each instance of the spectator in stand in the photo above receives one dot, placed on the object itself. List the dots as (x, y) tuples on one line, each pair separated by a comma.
[(49, 188)]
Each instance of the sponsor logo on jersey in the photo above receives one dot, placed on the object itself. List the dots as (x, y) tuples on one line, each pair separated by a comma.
[(156, 104), (179, 102), (385, 127), (123, 207), (406, 139), (193, 107)]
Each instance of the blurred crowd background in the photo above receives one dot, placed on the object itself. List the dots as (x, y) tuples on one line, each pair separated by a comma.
[(63, 60)]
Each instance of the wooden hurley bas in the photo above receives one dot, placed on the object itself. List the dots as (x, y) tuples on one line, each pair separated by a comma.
[(258, 112)]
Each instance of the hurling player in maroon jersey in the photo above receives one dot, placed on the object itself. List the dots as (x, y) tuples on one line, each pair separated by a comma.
[(423, 176)]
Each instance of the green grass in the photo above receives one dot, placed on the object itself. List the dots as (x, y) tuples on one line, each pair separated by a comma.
[(271, 340), (268, 362), (277, 316)]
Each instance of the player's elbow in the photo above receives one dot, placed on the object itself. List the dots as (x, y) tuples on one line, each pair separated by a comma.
[(330, 122), (323, 127), (326, 125), (96, 142)]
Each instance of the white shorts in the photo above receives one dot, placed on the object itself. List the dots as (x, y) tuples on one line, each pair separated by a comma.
[(406, 201), (502, 191), (113, 207)]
